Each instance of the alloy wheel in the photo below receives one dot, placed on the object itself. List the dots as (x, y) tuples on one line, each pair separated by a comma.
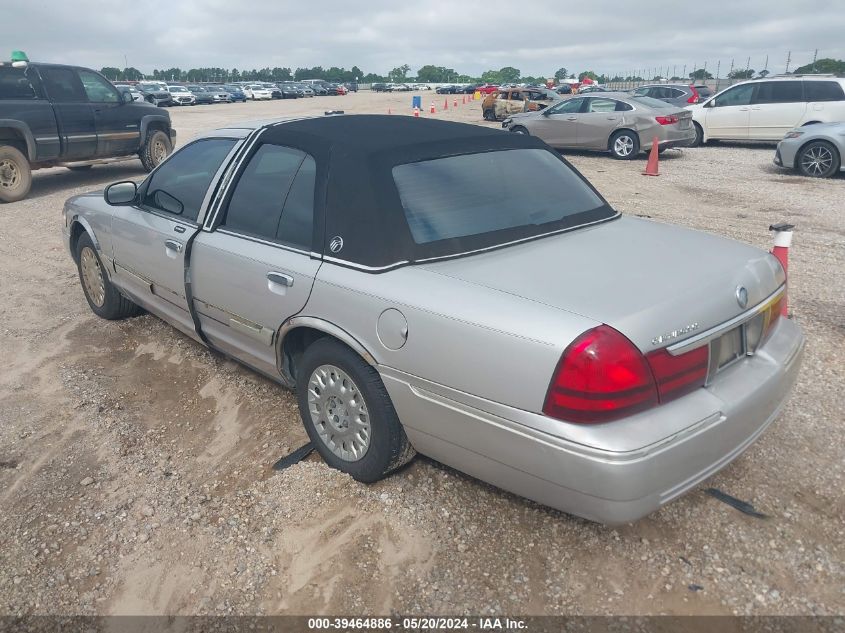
[(92, 277), (339, 413), (816, 161), (623, 146)]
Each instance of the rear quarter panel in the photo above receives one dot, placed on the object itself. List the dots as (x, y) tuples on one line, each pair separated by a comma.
[(474, 339)]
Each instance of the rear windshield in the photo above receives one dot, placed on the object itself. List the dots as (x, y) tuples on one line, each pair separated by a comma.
[(475, 194), (652, 103), (703, 91)]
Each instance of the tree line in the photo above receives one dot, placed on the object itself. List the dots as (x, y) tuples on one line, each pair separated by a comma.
[(426, 74)]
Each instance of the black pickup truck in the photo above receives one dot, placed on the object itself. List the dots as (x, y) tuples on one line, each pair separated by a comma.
[(57, 115)]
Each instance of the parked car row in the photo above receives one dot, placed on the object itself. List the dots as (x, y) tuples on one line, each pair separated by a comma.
[(173, 94), (804, 113)]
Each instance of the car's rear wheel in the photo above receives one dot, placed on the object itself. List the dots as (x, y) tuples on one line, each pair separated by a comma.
[(624, 145), (105, 300), (348, 414), (699, 135), (156, 148), (15, 174), (818, 159), (489, 114)]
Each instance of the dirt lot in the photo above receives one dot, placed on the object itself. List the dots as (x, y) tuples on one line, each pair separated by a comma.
[(135, 464)]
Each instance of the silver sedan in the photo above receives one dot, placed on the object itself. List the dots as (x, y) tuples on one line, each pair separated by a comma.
[(814, 150), (417, 286), (616, 122)]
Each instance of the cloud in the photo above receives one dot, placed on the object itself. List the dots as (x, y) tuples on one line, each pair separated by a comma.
[(536, 36)]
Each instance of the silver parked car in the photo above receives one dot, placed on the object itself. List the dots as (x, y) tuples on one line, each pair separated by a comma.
[(418, 286), (814, 150), (677, 94), (616, 122)]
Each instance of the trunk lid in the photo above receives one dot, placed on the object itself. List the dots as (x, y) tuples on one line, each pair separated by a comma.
[(645, 279)]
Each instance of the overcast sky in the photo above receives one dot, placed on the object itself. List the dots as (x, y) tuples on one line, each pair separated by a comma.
[(536, 36)]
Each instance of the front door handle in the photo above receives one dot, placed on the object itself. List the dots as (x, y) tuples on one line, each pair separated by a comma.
[(611, 118), (280, 278), (572, 118), (173, 245)]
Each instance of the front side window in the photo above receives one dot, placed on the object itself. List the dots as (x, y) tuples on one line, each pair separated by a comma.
[(98, 89), (823, 91), (274, 197), (779, 92), (739, 96), (474, 194), (179, 185), (63, 85), (570, 106)]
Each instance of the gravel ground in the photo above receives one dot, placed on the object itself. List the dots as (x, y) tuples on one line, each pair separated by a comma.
[(135, 464)]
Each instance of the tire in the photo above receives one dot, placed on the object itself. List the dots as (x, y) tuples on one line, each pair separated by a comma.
[(155, 149), (489, 114), (518, 129), (103, 298), (15, 174), (818, 159), (80, 167), (329, 365), (624, 145), (699, 135)]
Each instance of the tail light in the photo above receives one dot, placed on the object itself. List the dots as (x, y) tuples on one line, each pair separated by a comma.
[(602, 376), (678, 375), (666, 120), (694, 97)]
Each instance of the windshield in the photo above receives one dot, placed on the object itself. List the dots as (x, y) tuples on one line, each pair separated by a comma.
[(178, 89), (530, 190)]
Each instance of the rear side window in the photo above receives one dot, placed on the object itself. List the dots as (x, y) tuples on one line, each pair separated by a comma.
[(652, 103), (462, 196), (179, 185), (63, 85), (601, 105), (779, 92), (274, 197), (15, 84), (823, 91)]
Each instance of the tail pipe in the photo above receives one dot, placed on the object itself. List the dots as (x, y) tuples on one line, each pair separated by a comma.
[(783, 240)]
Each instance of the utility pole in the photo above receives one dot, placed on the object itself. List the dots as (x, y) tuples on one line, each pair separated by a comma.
[(718, 67), (788, 59), (766, 65), (815, 54)]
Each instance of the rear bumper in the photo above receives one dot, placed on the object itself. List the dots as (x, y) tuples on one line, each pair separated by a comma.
[(603, 485)]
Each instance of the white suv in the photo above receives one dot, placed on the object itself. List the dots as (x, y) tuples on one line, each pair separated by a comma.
[(766, 109)]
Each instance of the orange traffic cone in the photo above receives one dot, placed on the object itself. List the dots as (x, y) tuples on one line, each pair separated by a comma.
[(389, 111), (417, 112), (456, 102), (446, 103), (433, 111), (651, 168), (464, 99), (783, 240)]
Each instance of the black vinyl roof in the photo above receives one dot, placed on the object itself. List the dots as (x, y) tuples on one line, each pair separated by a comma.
[(356, 197)]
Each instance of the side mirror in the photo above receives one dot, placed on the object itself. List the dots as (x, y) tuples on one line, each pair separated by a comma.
[(121, 194), (126, 97)]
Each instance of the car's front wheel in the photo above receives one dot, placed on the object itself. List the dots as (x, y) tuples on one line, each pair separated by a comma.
[(348, 414), (624, 145), (818, 159), (155, 149), (699, 135), (105, 300)]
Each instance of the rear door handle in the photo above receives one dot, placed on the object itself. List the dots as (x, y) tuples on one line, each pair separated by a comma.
[(611, 118), (173, 245), (280, 279), (572, 118)]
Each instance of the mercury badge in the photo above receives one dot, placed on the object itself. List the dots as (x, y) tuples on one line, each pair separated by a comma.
[(742, 296), (336, 244)]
